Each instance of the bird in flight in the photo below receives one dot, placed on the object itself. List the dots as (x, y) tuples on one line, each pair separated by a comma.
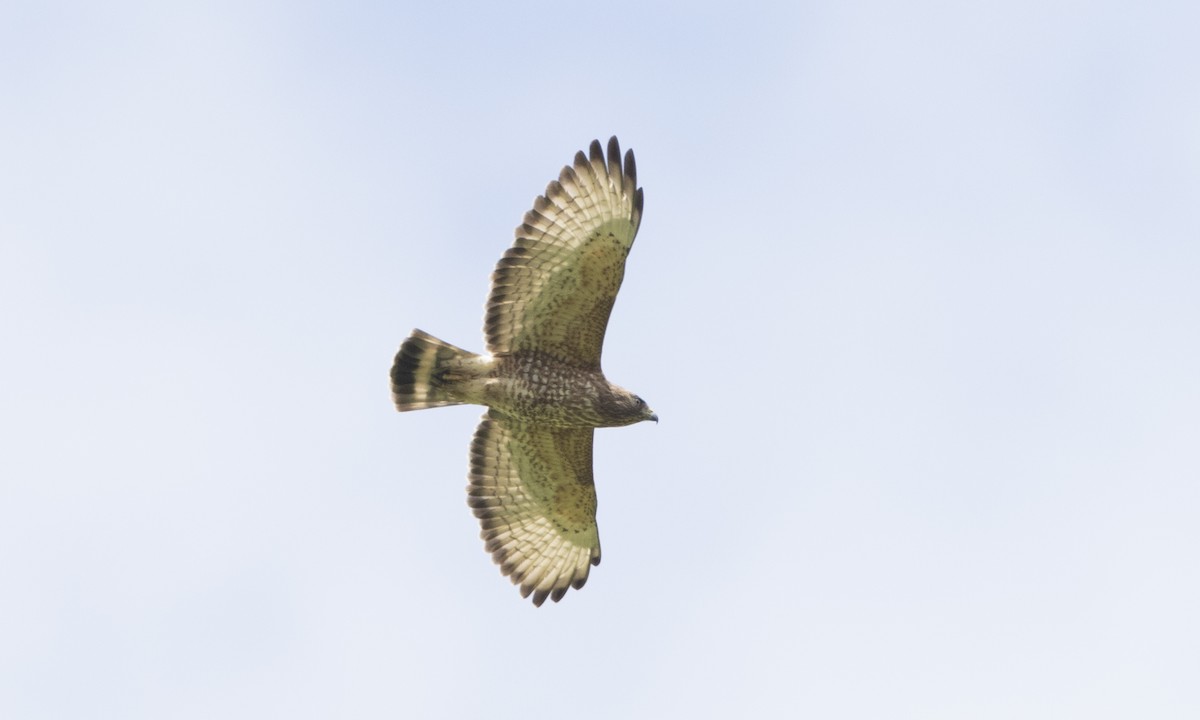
[(531, 483)]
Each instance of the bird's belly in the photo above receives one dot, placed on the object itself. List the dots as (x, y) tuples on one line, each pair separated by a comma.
[(544, 393)]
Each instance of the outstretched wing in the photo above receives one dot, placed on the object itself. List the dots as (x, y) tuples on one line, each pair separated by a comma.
[(532, 490), (554, 288)]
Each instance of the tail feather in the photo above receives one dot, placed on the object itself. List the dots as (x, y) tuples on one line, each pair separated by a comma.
[(418, 369)]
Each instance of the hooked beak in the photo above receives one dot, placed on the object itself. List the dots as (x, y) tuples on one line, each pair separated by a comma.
[(654, 417)]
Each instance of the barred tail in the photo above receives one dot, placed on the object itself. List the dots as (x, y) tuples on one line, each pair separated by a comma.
[(418, 370)]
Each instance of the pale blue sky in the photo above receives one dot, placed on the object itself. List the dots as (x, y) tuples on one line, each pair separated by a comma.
[(916, 296)]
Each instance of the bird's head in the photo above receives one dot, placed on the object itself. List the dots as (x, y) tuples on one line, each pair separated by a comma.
[(646, 412), (625, 408)]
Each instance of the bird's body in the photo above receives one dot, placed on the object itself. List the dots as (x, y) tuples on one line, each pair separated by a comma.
[(552, 292), (529, 385)]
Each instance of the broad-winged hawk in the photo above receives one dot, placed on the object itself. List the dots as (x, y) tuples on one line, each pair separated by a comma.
[(531, 480)]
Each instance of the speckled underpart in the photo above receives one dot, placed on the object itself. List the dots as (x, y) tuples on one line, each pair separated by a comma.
[(531, 482), (537, 387)]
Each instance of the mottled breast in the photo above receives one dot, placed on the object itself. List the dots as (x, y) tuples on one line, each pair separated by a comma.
[(538, 387)]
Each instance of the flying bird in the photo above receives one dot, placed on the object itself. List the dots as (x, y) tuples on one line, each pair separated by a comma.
[(531, 483)]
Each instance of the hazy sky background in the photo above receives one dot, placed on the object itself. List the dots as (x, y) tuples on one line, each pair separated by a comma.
[(916, 295)]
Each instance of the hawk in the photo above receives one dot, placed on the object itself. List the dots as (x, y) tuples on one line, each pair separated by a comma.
[(531, 482)]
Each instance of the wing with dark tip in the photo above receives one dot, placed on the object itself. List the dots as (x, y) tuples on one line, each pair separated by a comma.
[(532, 490), (554, 288)]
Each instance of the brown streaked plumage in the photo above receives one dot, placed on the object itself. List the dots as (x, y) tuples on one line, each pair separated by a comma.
[(531, 482)]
